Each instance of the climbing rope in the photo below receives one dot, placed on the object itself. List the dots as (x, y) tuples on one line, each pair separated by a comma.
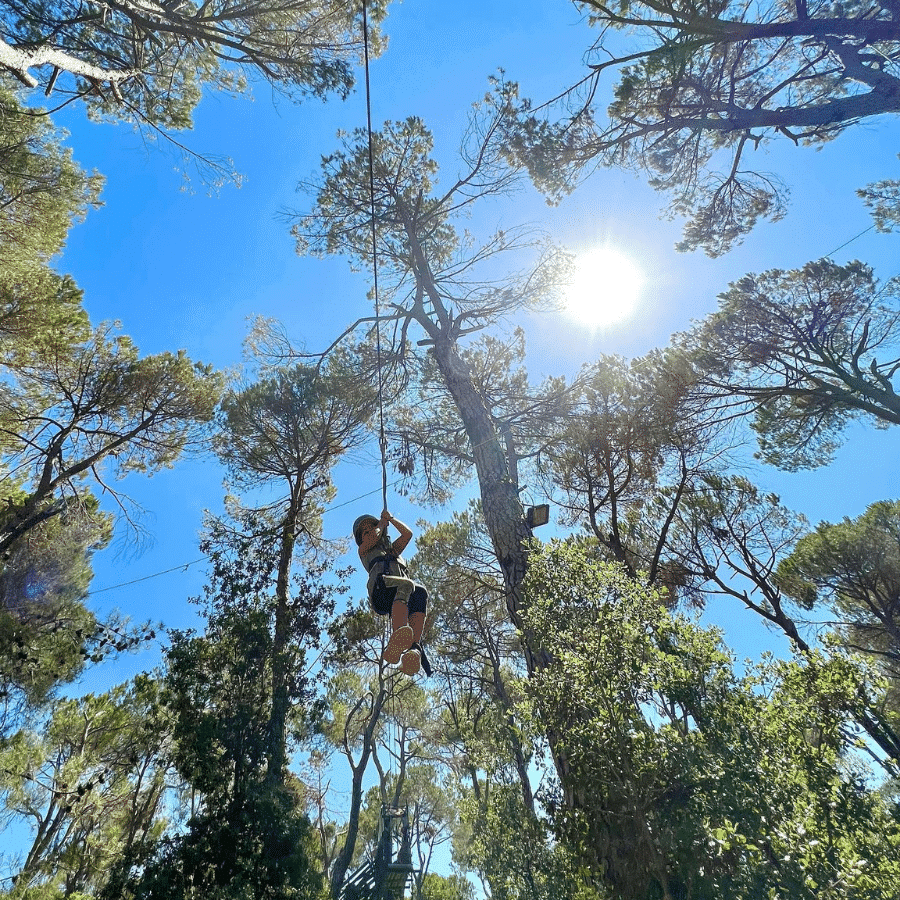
[(382, 442)]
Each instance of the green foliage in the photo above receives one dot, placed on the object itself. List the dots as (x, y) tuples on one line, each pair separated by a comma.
[(51, 563), (42, 192), (479, 648), (451, 887), (249, 836), (513, 852), (675, 778), (883, 199), (141, 411), (154, 68), (89, 782), (257, 849), (76, 406), (684, 779), (91, 410), (402, 153), (498, 833), (418, 787), (629, 435), (729, 536), (219, 686), (244, 563), (293, 424), (803, 351), (47, 633), (218, 690), (285, 432), (854, 566), (40, 648), (425, 259), (39, 311), (437, 457)]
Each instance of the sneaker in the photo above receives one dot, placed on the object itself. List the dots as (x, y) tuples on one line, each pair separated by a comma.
[(400, 641), (410, 662)]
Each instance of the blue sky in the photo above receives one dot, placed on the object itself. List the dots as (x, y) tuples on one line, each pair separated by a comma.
[(183, 269)]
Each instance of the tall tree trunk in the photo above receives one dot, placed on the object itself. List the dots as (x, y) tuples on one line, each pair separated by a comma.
[(503, 512), (277, 749), (342, 860), (505, 520)]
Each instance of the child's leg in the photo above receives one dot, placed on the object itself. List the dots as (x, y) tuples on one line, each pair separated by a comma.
[(399, 615), (399, 642), (412, 659), (404, 587), (417, 623), (418, 607), (402, 635)]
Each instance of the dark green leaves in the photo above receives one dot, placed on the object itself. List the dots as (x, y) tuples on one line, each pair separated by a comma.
[(686, 777)]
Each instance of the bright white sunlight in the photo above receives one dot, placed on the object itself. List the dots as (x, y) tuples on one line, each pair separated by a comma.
[(605, 288)]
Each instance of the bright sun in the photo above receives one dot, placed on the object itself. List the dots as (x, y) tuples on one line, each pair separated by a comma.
[(605, 288)]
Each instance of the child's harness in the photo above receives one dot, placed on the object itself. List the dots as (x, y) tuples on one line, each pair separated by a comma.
[(381, 565), (385, 562)]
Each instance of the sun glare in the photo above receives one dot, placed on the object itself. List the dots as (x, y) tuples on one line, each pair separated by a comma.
[(605, 288)]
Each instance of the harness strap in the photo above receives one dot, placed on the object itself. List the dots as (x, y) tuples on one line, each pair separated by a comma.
[(385, 564), (384, 560)]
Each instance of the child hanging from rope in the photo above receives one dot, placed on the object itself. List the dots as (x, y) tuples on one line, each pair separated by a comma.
[(392, 592)]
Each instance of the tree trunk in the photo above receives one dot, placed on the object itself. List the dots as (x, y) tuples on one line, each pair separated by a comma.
[(503, 512), (342, 860), (277, 750), (505, 520)]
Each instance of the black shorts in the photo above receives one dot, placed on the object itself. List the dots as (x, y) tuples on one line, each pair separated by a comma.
[(382, 598)]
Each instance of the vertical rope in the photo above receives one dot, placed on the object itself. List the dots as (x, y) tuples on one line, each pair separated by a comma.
[(382, 442)]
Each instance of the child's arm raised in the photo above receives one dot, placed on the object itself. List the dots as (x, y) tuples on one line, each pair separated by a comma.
[(405, 537)]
